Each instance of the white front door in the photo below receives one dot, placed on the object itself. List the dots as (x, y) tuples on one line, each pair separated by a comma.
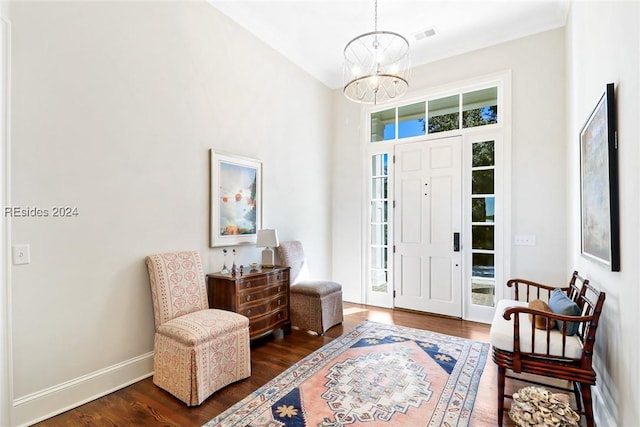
[(428, 222)]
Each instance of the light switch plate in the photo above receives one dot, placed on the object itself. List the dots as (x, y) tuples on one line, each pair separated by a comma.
[(21, 254)]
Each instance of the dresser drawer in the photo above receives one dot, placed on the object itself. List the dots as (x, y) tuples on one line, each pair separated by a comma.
[(263, 280), (252, 296), (266, 323), (264, 307)]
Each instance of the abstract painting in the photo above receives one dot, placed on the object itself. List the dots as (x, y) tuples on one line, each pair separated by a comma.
[(236, 197), (599, 184)]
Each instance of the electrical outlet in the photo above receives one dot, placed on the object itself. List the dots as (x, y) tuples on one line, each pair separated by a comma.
[(21, 254), (525, 240)]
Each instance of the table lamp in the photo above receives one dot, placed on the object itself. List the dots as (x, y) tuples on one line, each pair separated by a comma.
[(267, 239)]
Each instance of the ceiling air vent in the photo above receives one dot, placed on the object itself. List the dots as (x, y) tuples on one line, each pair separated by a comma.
[(424, 34)]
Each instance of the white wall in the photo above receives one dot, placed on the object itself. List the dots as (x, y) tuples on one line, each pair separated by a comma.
[(603, 46), (347, 197), (115, 106), (538, 187)]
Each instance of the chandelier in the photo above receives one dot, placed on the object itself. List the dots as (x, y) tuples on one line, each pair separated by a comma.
[(376, 65)]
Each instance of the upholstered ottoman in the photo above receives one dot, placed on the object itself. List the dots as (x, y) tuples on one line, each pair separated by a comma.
[(316, 305)]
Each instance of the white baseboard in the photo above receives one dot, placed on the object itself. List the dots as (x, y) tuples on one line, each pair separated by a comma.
[(54, 400)]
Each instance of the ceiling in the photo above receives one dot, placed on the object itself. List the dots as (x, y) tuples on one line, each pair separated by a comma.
[(313, 33)]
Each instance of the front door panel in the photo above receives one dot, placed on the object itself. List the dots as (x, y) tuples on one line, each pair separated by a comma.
[(428, 213)]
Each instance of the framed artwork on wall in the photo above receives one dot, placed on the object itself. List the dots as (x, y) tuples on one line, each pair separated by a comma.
[(599, 183), (236, 199)]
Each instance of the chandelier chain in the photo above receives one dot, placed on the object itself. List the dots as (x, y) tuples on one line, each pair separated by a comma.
[(375, 16)]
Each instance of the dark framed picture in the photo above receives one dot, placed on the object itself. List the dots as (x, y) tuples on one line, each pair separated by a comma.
[(236, 199), (599, 183)]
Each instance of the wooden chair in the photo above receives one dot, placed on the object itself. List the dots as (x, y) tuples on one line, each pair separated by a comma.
[(552, 353)]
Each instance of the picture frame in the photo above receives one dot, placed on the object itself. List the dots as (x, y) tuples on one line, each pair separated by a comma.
[(236, 199), (599, 209)]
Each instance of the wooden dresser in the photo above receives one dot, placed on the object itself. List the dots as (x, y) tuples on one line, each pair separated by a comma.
[(262, 296)]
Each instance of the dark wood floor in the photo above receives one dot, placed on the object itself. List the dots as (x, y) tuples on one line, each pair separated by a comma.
[(144, 404)]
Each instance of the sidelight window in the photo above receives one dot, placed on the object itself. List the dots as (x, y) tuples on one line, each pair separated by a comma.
[(379, 222), (483, 201)]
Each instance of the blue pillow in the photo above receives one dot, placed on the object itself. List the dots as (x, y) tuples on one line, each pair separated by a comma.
[(560, 303)]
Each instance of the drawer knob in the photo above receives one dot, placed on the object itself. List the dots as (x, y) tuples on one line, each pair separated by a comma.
[(279, 302), (279, 288), (248, 312), (248, 298), (279, 316)]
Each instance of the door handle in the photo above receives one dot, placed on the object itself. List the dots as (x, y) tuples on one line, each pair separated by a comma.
[(456, 242)]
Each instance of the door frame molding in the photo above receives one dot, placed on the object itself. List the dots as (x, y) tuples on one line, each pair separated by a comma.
[(502, 79)]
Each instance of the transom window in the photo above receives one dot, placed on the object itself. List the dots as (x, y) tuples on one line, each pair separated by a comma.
[(449, 113)]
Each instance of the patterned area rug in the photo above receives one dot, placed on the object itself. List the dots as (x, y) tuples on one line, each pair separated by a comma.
[(374, 375)]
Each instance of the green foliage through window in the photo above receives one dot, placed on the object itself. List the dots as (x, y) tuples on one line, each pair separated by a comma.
[(444, 122), (480, 116)]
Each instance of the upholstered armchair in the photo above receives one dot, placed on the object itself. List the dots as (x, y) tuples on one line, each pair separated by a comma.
[(316, 305), (197, 350)]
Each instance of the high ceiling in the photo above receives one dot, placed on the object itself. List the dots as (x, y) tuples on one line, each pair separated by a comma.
[(313, 33)]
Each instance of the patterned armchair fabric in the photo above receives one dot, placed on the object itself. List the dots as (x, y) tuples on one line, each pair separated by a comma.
[(197, 350), (316, 305)]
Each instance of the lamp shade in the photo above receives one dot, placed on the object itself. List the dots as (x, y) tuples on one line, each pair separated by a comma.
[(267, 238)]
